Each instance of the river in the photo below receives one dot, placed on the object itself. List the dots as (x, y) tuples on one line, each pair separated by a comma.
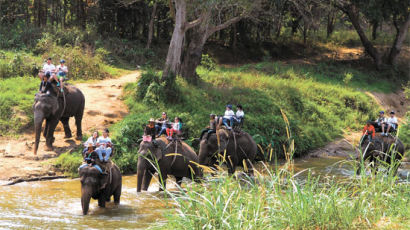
[(56, 204)]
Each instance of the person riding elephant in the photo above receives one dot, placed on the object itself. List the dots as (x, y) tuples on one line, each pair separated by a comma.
[(182, 164), (381, 148), (98, 185), (53, 109), (239, 147)]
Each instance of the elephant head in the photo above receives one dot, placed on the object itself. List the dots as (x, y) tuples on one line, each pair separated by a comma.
[(149, 152), (92, 183), (214, 145), (44, 107)]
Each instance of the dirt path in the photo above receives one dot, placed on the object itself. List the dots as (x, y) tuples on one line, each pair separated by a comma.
[(103, 107)]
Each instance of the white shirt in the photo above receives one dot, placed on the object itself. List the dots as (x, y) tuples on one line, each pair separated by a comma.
[(90, 141), (240, 113), (62, 68), (48, 68), (392, 120), (229, 114), (103, 141)]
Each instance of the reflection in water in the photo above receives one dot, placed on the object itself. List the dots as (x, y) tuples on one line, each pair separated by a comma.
[(57, 204)]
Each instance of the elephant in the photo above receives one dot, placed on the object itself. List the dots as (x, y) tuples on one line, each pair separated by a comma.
[(55, 108), (381, 148), (100, 186), (176, 165), (239, 147)]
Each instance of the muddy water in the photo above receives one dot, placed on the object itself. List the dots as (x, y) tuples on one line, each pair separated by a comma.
[(56, 204)]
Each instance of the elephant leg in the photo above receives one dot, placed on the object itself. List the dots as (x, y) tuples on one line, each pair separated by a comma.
[(178, 180), (67, 130), (231, 165), (117, 195), (108, 199), (146, 180), (250, 167), (46, 129), (78, 119), (50, 133), (101, 201)]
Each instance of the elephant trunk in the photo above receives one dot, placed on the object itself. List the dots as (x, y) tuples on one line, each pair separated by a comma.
[(38, 122), (85, 199), (140, 173), (203, 154)]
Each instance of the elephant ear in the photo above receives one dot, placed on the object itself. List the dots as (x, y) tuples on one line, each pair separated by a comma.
[(104, 180), (157, 153)]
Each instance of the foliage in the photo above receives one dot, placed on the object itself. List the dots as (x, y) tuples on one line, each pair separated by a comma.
[(405, 127), (318, 110), (207, 62), (281, 200), (69, 162), (16, 99)]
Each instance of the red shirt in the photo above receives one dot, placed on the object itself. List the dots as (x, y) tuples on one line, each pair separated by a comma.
[(370, 130)]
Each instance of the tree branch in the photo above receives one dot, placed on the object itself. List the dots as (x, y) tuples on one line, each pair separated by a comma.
[(196, 22), (224, 25)]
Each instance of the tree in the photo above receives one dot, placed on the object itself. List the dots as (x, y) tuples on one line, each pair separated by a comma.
[(216, 17), (395, 10)]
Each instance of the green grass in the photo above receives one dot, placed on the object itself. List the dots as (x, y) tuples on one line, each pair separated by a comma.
[(319, 110), (281, 200), (16, 99)]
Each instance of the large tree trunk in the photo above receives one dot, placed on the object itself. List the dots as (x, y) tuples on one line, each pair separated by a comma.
[(151, 24), (353, 14), (193, 55), (398, 41), (200, 35), (173, 60)]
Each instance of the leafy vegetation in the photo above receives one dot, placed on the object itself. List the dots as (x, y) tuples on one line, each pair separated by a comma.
[(319, 110), (280, 200)]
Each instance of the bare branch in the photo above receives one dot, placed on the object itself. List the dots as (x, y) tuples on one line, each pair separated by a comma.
[(224, 25)]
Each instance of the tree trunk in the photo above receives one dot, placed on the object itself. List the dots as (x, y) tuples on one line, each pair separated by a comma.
[(398, 41), (353, 14), (330, 23), (151, 25), (193, 55), (375, 25), (200, 35), (173, 60)]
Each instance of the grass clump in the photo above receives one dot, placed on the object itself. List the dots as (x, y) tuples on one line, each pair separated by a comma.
[(281, 200), (69, 163)]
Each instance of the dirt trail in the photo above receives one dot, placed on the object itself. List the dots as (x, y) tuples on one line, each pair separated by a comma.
[(103, 107)]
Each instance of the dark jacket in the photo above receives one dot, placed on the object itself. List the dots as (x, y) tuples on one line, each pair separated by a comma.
[(45, 86), (150, 131)]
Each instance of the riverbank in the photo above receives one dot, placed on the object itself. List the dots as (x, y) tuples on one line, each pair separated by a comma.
[(104, 106)]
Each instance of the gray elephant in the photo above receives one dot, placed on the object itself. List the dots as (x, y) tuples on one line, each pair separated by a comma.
[(382, 149), (239, 146), (185, 164), (99, 186), (57, 108)]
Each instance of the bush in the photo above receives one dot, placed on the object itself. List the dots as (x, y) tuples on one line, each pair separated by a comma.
[(69, 163)]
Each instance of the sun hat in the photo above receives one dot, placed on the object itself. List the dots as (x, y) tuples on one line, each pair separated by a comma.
[(151, 120)]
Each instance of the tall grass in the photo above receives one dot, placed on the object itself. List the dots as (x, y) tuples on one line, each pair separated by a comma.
[(280, 199)]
